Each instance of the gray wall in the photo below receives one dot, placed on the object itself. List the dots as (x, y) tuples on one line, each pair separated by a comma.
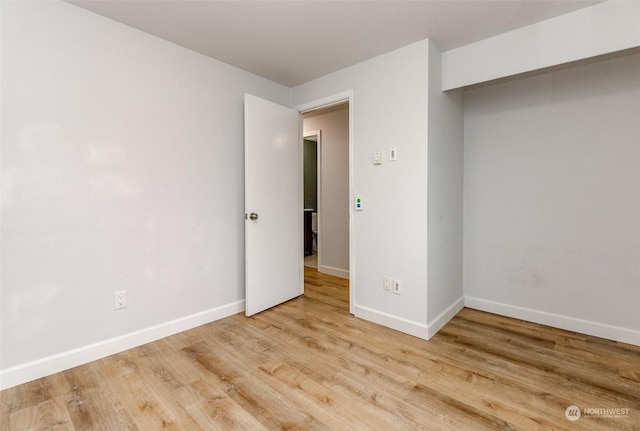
[(445, 168), (552, 197)]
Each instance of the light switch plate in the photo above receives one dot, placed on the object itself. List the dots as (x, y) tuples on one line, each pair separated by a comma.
[(377, 157), (393, 154)]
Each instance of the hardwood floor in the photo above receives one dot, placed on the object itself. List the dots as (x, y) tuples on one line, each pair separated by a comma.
[(308, 365)]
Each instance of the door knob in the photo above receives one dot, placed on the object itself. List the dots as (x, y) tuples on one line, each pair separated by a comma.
[(253, 216)]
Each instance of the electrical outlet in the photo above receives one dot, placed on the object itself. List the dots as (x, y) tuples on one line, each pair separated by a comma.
[(387, 282), (396, 287), (120, 300)]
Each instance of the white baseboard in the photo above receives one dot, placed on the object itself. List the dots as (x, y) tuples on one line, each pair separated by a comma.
[(63, 361), (342, 273), (587, 327), (436, 324), (416, 329)]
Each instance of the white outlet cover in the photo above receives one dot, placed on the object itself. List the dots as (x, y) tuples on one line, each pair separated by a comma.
[(387, 282), (120, 300)]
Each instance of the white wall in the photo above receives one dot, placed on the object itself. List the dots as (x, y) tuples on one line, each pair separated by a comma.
[(444, 227), (552, 198), (334, 176), (390, 108), (122, 168)]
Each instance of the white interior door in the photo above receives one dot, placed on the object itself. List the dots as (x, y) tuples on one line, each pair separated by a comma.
[(273, 204)]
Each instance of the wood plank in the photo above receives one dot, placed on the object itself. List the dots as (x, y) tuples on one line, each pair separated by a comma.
[(91, 404), (215, 411), (145, 388), (47, 415)]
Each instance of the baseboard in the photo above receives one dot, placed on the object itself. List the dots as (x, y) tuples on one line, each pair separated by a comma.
[(342, 273), (443, 318), (63, 361), (596, 329), (416, 329), (410, 327)]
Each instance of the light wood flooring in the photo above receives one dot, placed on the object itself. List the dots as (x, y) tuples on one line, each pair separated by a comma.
[(308, 365), (311, 261)]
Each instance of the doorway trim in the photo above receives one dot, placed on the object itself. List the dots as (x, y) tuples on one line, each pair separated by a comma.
[(326, 102)]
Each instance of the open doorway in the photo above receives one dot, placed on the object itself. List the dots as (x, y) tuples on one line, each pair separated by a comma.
[(311, 145), (326, 172)]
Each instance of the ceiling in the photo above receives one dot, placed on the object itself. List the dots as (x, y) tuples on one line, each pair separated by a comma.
[(293, 42)]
